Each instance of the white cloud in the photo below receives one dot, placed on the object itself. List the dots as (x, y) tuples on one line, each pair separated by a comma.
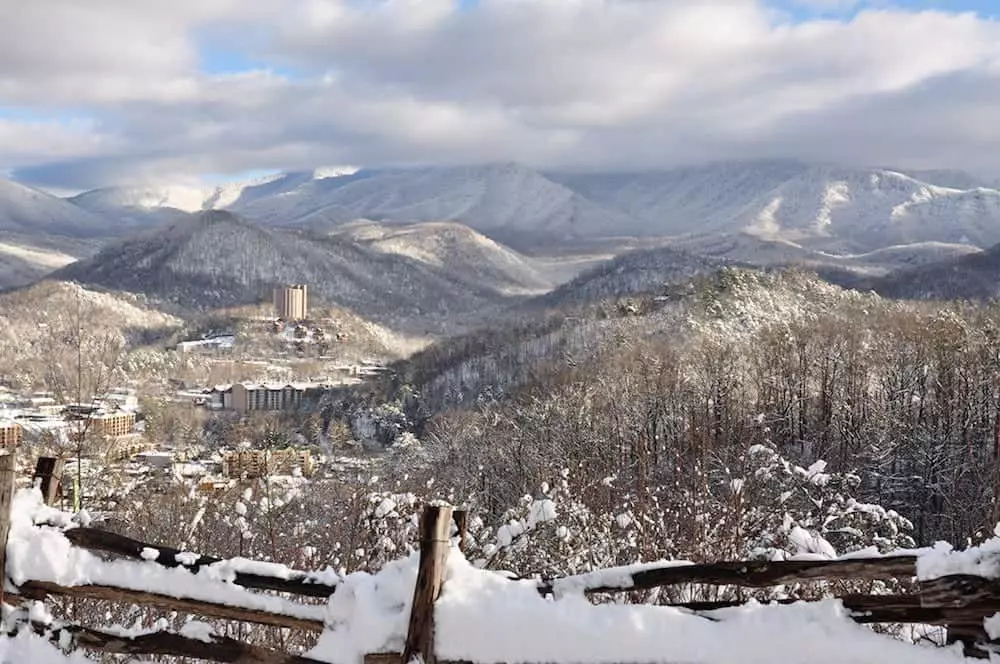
[(551, 82)]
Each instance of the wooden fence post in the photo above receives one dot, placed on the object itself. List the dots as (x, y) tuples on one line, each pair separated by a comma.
[(435, 531), (462, 523), (6, 499), (50, 471)]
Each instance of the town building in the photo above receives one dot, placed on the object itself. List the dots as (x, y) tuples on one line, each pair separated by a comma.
[(218, 343), (125, 447), (291, 302), (113, 424), (244, 397), (10, 434), (259, 463)]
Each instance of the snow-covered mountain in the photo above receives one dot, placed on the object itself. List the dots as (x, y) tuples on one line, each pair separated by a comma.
[(142, 203), (818, 206), (215, 259), (507, 198), (642, 271), (684, 200), (867, 210), (456, 249), (31, 212)]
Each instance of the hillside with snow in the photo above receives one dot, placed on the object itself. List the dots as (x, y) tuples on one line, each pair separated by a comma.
[(631, 273), (684, 200), (974, 276), (217, 259), (48, 303), (24, 260), (843, 209), (455, 249), (32, 212), (504, 198), (146, 206), (745, 247)]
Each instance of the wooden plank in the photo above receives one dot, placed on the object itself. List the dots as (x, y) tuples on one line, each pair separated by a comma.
[(435, 540), (41, 589), (7, 467), (49, 470), (871, 609), (959, 590), (215, 649), (384, 658), (751, 574), (298, 583)]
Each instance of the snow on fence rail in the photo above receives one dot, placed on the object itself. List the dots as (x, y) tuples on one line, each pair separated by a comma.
[(401, 613)]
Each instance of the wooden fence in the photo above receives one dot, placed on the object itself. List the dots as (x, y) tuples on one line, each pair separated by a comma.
[(957, 602)]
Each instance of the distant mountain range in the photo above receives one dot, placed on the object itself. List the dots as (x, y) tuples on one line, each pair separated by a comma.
[(838, 209), (832, 208), (395, 241), (819, 206)]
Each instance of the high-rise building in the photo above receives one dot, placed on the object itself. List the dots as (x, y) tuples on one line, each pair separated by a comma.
[(291, 302)]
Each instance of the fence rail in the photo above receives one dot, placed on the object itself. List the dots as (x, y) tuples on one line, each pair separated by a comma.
[(959, 602), (746, 574), (94, 539)]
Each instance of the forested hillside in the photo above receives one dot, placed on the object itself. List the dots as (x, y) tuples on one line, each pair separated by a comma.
[(669, 395)]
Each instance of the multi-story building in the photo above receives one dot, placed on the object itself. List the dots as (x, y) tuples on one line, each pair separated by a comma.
[(10, 434), (112, 425), (245, 397), (291, 302), (258, 463)]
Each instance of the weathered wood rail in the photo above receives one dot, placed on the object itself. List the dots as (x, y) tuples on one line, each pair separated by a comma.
[(40, 590), (958, 602), (94, 539), (215, 648), (747, 574)]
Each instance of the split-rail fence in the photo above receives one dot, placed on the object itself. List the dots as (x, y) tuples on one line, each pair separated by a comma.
[(959, 603)]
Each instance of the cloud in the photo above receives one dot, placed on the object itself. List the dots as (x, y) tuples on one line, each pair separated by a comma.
[(589, 83)]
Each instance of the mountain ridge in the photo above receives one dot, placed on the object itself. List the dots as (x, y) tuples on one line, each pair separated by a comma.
[(825, 207), (215, 259)]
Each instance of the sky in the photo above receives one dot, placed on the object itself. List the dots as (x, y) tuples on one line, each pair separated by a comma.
[(121, 92)]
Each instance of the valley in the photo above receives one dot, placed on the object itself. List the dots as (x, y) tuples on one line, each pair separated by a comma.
[(635, 348)]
